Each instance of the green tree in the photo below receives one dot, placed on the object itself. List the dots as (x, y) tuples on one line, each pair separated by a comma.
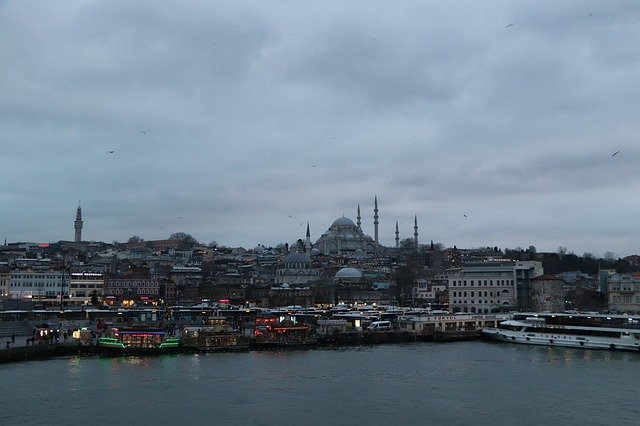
[(94, 298)]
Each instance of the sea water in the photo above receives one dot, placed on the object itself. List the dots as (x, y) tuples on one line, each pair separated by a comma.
[(466, 383)]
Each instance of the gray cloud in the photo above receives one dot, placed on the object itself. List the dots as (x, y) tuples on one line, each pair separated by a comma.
[(234, 117)]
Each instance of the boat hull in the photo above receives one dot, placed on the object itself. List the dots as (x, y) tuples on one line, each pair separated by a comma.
[(561, 340)]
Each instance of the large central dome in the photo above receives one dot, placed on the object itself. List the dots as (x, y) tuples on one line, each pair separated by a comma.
[(345, 238), (343, 221)]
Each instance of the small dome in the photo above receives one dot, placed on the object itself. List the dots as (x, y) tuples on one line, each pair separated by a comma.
[(258, 249), (297, 258), (343, 221), (348, 273), (315, 251)]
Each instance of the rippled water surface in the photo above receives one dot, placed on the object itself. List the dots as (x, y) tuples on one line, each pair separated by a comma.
[(423, 383)]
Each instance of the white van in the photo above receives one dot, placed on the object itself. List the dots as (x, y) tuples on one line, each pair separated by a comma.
[(380, 325)]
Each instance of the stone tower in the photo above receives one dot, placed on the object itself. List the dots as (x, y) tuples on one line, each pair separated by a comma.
[(78, 224)]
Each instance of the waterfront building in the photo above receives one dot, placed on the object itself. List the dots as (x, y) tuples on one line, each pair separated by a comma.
[(82, 286), (5, 276), (286, 295), (603, 279), (547, 294), (42, 283), (623, 293), (129, 290), (482, 288), (525, 271)]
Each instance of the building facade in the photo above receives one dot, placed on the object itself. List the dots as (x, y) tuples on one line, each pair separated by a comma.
[(485, 287), (296, 268), (547, 294), (82, 286), (624, 293)]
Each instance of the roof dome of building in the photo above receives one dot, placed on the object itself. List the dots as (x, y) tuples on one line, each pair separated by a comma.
[(258, 249), (315, 251), (343, 221), (297, 258), (348, 273)]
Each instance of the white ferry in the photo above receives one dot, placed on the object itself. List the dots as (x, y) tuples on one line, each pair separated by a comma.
[(589, 331)]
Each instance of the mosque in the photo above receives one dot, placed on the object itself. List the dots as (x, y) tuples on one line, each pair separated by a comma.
[(347, 238)]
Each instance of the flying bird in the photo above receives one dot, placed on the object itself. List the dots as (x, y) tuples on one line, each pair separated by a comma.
[(143, 132), (510, 25), (111, 152), (614, 154), (464, 215), (590, 14)]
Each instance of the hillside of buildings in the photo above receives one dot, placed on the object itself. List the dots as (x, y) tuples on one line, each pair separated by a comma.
[(182, 271)]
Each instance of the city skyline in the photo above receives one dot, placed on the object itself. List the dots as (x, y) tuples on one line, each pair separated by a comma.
[(497, 124)]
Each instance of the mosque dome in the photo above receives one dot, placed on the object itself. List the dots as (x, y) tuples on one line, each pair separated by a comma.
[(258, 249), (297, 258), (343, 221), (348, 273), (315, 251)]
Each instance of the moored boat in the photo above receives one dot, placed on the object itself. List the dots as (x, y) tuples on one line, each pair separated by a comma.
[(138, 340), (588, 331), (273, 333), (216, 335)]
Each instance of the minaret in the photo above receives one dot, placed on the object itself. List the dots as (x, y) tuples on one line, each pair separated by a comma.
[(358, 221), (415, 231), (375, 221), (78, 224), (397, 235), (307, 241)]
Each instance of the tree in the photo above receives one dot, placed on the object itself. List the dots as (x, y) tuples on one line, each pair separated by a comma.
[(404, 284), (562, 251), (532, 249), (135, 239), (94, 298), (609, 256), (186, 240), (213, 244)]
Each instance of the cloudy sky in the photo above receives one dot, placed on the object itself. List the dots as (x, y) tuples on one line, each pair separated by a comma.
[(494, 121)]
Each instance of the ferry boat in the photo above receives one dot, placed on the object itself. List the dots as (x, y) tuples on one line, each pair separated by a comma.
[(572, 330), (271, 332), (138, 340), (216, 335)]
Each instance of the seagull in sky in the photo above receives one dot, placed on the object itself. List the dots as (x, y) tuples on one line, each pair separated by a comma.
[(111, 152), (464, 215), (590, 14), (510, 25), (143, 132), (614, 154)]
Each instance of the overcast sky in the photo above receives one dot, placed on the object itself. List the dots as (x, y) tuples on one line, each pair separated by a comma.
[(494, 121)]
